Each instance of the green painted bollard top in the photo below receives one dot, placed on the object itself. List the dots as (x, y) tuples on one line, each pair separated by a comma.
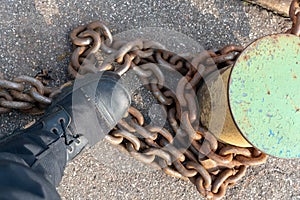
[(264, 95)]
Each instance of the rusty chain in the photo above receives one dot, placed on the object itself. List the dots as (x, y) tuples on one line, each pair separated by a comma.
[(185, 150), (294, 13)]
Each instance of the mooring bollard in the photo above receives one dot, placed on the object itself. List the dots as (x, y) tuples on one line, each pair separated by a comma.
[(257, 101)]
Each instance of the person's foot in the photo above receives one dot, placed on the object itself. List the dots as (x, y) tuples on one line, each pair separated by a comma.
[(87, 110), (82, 114)]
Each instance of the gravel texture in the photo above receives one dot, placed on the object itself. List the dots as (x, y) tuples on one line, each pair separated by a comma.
[(34, 36)]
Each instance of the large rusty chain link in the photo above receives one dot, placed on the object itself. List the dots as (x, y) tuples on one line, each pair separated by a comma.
[(26, 94), (294, 13), (186, 150)]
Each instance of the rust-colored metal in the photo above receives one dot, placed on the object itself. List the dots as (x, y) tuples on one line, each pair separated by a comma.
[(187, 150), (215, 114)]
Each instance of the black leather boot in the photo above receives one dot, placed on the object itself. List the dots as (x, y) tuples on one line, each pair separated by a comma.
[(88, 110), (82, 114)]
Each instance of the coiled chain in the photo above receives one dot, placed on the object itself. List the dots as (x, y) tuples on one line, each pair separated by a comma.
[(184, 150)]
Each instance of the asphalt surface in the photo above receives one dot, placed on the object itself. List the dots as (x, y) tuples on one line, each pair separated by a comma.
[(34, 36)]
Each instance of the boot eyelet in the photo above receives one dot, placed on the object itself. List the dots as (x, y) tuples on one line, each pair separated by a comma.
[(54, 130), (77, 141), (61, 120), (70, 150)]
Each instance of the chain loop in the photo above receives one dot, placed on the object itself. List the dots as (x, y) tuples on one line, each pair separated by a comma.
[(295, 17), (185, 150)]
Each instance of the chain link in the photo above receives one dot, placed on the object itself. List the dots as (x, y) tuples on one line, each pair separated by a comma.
[(294, 13), (211, 166), (186, 151)]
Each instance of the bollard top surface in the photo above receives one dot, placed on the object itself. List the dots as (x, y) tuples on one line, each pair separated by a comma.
[(264, 95)]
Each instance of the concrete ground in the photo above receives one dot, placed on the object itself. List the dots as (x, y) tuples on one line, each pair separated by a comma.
[(34, 36)]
